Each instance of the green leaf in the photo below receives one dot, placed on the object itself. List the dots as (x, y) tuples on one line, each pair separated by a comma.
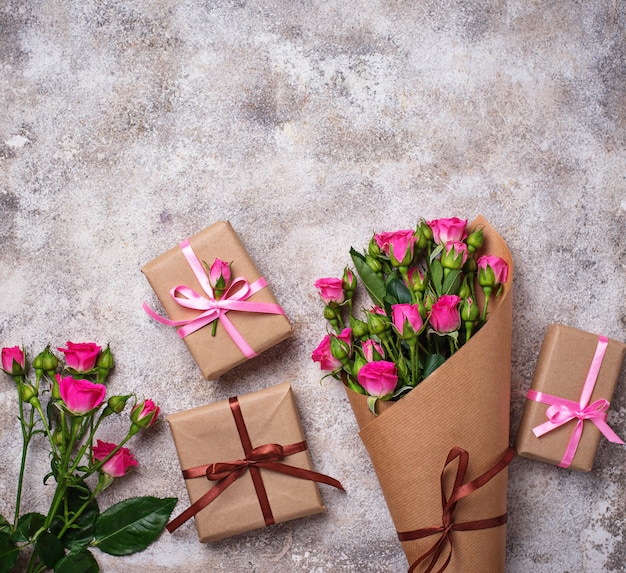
[(8, 552), (397, 292), (131, 525), (27, 526), (81, 532), (5, 526), (452, 282), (373, 283), (432, 362), (49, 548), (80, 562), (436, 276)]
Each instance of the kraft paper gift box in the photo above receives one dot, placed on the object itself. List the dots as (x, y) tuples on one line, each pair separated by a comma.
[(563, 369), (459, 414), (253, 324), (211, 438)]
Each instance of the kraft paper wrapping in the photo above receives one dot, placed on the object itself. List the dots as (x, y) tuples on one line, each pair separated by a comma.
[(208, 434), (464, 403), (564, 359), (217, 354)]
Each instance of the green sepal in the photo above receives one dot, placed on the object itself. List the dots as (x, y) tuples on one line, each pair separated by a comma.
[(79, 562), (371, 404), (131, 525)]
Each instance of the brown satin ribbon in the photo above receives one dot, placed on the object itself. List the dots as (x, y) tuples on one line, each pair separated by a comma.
[(267, 456), (459, 491)]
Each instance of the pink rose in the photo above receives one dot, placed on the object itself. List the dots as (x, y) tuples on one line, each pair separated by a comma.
[(145, 413), (372, 350), (80, 396), (331, 290), (446, 230), (378, 379), (454, 255), (13, 360), (118, 463), (398, 246), (220, 275), (406, 318), (492, 270), (81, 356), (322, 355), (444, 314)]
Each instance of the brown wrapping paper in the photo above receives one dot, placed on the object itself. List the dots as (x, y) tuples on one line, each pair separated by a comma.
[(464, 403), (564, 359), (208, 434), (217, 354)]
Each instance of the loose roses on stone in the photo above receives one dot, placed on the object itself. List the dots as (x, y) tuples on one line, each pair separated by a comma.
[(76, 406), (422, 283)]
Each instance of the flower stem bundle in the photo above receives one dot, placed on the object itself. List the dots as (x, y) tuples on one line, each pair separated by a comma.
[(81, 465)]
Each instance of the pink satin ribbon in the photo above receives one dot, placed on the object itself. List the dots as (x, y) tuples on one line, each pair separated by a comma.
[(234, 298), (562, 411)]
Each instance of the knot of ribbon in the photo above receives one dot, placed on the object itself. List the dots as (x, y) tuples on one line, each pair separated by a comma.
[(561, 411), (211, 308), (258, 455), (267, 456), (448, 525)]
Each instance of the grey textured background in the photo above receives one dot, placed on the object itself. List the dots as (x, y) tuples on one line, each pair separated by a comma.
[(128, 126)]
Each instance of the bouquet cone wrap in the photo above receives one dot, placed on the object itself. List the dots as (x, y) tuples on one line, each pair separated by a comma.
[(464, 403)]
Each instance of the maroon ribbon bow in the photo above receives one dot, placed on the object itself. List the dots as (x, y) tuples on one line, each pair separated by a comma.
[(448, 526), (267, 456)]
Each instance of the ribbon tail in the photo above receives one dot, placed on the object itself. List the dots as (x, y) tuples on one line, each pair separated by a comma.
[(608, 432), (239, 340), (202, 502), (300, 473)]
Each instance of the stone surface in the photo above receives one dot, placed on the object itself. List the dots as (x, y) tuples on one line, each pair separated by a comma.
[(128, 126)]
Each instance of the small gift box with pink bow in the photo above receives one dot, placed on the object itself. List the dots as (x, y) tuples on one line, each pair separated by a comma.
[(566, 408), (215, 296), (245, 463)]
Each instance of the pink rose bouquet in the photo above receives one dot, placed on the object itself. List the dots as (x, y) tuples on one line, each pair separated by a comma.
[(425, 364), (423, 287), (81, 465)]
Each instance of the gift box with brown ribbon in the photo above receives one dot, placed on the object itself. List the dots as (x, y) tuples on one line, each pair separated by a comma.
[(246, 464), (221, 328), (566, 407)]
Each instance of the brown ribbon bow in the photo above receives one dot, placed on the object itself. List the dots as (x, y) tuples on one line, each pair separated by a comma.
[(267, 456), (459, 491)]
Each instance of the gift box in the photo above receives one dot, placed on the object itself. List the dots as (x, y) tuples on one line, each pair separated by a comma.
[(246, 464), (573, 383), (249, 319), (446, 485)]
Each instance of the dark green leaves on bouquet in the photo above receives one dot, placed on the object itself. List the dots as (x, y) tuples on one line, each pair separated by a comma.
[(374, 284), (131, 525), (49, 548)]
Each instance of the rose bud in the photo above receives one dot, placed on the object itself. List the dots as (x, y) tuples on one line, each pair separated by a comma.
[(28, 393), (116, 404), (475, 241), (372, 351), (331, 291), (220, 276), (444, 314), (145, 414), (80, 356), (406, 320), (358, 327), (450, 229), (80, 396), (14, 361), (492, 271), (118, 463), (379, 380), (454, 255), (323, 355), (341, 346), (46, 362)]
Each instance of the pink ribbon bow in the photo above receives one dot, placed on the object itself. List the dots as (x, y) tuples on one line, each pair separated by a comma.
[(234, 298), (562, 411)]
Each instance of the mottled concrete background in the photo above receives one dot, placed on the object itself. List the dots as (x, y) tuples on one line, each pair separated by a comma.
[(126, 126)]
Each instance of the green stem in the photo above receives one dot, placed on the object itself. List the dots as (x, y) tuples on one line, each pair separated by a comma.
[(27, 433), (413, 344), (487, 291)]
